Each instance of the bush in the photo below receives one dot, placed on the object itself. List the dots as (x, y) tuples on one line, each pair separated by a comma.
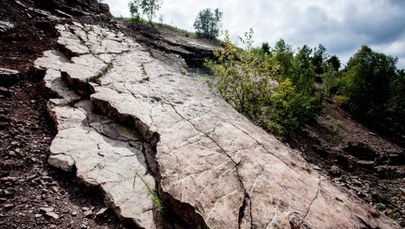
[(340, 100), (290, 109), (249, 80), (242, 77)]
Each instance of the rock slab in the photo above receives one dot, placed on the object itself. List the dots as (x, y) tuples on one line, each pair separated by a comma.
[(213, 168)]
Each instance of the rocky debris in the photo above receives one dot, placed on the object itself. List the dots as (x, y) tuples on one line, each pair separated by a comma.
[(46, 209), (8, 77), (351, 153), (81, 8), (28, 189), (52, 215), (212, 166), (48, 212), (88, 213), (101, 212), (5, 93), (8, 206), (360, 151), (27, 133), (6, 26), (103, 153), (193, 51)]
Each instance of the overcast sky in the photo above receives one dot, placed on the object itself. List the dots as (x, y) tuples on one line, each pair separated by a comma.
[(342, 26)]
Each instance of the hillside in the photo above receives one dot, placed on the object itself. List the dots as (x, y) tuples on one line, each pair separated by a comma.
[(118, 116)]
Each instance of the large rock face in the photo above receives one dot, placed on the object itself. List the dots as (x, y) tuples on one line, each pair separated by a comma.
[(212, 167)]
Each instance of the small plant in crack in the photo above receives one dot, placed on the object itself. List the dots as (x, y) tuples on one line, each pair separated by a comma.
[(152, 193)]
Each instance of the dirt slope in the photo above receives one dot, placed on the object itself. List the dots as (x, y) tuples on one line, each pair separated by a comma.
[(28, 186), (356, 158)]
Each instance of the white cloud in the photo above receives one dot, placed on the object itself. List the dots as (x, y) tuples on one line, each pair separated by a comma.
[(341, 25)]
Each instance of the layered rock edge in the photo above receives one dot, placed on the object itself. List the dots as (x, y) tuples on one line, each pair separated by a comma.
[(123, 115)]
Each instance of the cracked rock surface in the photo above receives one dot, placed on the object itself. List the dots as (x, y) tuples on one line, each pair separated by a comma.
[(212, 167)]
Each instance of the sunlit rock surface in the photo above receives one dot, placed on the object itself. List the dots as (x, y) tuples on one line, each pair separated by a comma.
[(212, 167)]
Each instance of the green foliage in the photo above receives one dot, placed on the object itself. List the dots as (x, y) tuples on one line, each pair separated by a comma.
[(319, 59), (284, 56), (242, 77), (396, 102), (366, 82), (135, 9), (340, 100), (250, 81), (147, 8), (330, 81), (207, 23), (303, 75), (334, 62), (290, 109), (265, 47), (157, 202)]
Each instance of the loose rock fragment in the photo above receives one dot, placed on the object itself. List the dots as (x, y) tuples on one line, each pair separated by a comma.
[(52, 215), (101, 212), (88, 213), (6, 26), (8, 77), (46, 209), (62, 162), (8, 206)]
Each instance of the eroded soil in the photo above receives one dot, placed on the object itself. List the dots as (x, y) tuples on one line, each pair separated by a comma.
[(356, 158)]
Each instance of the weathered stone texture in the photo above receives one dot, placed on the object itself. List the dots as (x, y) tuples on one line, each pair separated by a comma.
[(232, 173)]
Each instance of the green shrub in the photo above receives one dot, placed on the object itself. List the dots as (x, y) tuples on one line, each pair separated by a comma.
[(340, 100), (290, 109), (250, 81)]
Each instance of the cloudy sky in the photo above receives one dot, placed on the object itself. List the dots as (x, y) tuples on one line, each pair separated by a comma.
[(342, 26)]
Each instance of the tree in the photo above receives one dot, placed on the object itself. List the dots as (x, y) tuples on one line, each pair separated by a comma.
[(319, 58), (334, 62), (265, 47), (134, 9), (366, 82), (303, 76), (396, 104), (148, 8), (250, 81), (284, 56), (208, 24)]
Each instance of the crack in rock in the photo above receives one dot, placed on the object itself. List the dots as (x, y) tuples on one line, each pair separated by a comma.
[(246, 198), (211, 166), (186, 131), (313, 200), (69, 151)]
